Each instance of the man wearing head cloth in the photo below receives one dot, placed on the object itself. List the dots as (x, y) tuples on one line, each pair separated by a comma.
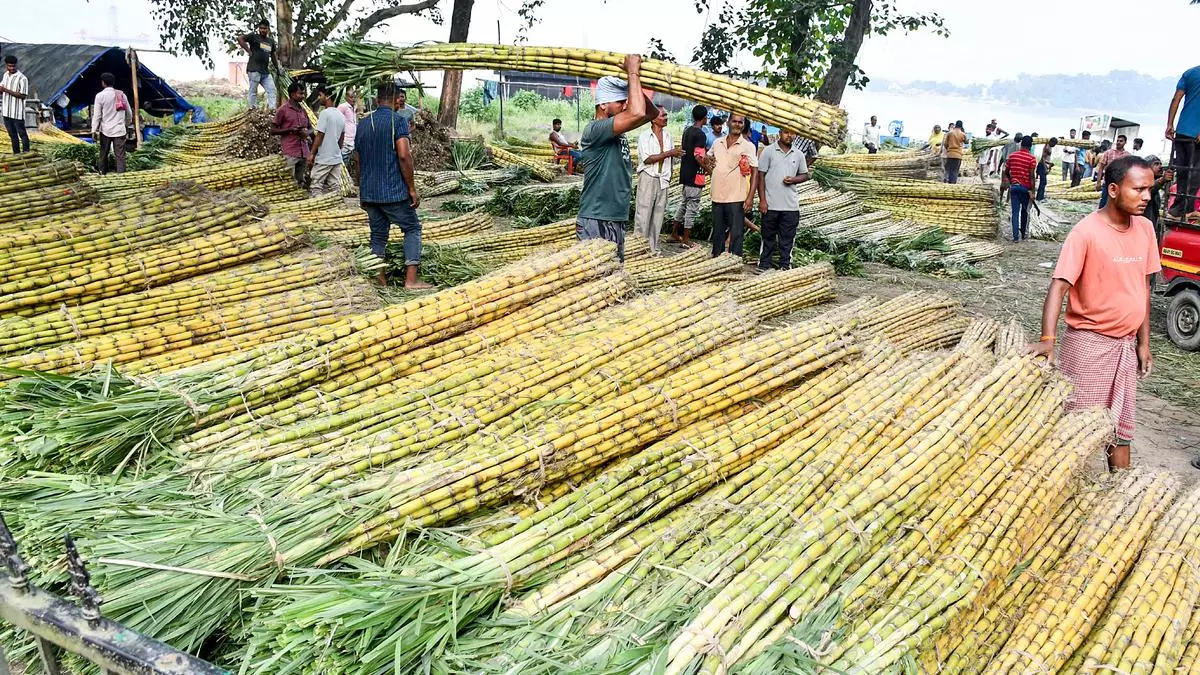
[(607, 169)]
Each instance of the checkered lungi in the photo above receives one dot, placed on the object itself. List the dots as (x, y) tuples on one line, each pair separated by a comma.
[(1104, 371)]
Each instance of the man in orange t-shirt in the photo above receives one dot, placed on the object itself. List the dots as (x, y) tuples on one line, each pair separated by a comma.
[(1104, 271)]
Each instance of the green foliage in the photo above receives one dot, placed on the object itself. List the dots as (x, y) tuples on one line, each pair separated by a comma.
[(527, 100), (219, 107), (473, 107), (87, 154), (795, 40)]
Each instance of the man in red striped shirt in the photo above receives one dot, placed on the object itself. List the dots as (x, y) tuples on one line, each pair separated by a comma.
[(1021, 168)]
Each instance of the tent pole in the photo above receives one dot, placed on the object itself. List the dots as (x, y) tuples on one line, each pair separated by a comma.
[(137, 106)]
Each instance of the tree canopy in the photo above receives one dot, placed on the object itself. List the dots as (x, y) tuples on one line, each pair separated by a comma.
[(188, 27)]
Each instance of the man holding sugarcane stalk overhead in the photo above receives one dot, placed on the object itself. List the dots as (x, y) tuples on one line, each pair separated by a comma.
[(621, 106)]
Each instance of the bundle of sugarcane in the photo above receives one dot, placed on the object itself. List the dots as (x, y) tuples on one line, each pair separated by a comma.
[(494, 248), (954, 216), (683, 269), (544, 153), (357, 62), (1132, 637), (1011, 339), (311, 207), (781, 359), (980, 144), (11, 162), (1062, 612), (562, 311), (96, 218), (52, 134), (262, 315), (437, 183), (539, 169), (875, 187), (18, 206), (34, 265), (180, 299), (1083, 193), (138, 417), (146, 268), (971, 249), (637, 247), (913, 166), (38, 176), (266, 176), (775, 282)]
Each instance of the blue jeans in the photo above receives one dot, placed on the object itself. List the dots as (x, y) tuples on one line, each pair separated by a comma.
[(1019, 198), (382, 215), (268, 85)]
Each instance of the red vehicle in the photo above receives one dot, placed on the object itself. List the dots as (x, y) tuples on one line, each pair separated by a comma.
[(1180, 251)]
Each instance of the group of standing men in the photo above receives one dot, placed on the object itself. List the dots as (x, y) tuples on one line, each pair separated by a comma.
[(737, 169), (377, 146)]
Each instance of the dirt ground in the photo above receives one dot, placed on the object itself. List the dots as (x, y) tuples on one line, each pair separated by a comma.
[(1014, 286)]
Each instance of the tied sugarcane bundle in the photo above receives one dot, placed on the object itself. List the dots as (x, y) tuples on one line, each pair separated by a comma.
[(18, 206), (1063, 611), (537, 168), (349, 63), (137, 270), (274, 311), (30, 266), (180, 299), (1143, 629), (265, 177), (980, 144), (38, 176), (94, 218)]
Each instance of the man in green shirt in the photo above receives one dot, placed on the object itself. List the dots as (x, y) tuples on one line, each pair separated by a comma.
[(608, 170)]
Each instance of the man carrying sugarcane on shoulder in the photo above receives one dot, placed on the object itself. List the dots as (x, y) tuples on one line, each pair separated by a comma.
[(1104, 271), (608, 180)]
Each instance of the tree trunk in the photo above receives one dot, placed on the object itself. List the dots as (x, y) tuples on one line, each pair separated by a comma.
[(285, 34), (845, 53), (460, 24)]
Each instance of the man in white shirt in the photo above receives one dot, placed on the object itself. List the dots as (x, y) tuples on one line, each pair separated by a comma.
[(1068, 159), (657, 152), (14, 87), (871, 135), (110, 118), (325, 157)]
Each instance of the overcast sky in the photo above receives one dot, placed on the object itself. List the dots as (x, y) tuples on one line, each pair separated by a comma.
[(1055, 36)]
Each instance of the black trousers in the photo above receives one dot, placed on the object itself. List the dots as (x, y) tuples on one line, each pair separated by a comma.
[(778, 234), (728, 218), (1187, 175), (16, 132)]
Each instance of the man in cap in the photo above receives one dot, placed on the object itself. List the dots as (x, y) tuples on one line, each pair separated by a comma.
[(608, 181)]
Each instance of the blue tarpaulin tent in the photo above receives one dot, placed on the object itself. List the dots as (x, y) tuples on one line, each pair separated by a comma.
[(73, 71)]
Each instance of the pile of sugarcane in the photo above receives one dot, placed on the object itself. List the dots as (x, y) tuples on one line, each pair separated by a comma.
[(979, 144), (359, 62), (537, 168), (543, 470), (1084, 192), (915, 164), (266, 177), (956, 209)]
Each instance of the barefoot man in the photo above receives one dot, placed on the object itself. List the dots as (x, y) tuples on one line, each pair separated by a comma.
[(1104, 271)]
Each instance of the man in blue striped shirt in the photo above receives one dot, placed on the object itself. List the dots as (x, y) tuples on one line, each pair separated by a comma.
[(385, 183)]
